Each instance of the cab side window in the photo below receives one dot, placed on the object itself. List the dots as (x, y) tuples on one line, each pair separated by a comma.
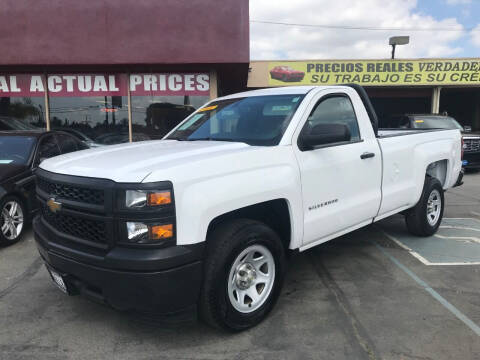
[(336, 109), (48, 148)]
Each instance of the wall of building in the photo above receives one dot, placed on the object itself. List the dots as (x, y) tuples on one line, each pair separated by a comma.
[(65, 32), (462, 104), (68, 64)]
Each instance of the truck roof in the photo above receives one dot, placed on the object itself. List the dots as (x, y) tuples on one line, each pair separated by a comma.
[(290, 90)]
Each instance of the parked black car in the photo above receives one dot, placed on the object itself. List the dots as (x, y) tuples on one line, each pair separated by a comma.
[(471, 141), (80, 136), (20, 154)]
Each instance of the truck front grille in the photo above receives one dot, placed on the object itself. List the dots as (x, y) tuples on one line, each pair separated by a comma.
[(81, 212), (471, 145), (86, 214), (73, 193), (90, 230)]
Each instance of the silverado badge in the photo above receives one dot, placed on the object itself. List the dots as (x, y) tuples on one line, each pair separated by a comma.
[(53, 205)]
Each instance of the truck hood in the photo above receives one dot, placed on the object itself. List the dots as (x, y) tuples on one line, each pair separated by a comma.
[(135, 161)]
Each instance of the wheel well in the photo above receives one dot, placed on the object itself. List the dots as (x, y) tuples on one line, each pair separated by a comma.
[(19, 196), (438, 170), (274, 213)]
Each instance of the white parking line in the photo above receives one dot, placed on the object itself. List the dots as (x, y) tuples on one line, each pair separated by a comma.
[(458, 227), (474, 327), (475, 213), (447, 218), (421, 258), (467, 239)]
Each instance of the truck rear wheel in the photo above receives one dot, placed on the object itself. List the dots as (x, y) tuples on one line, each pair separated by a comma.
[(424, 219), (244, 272)]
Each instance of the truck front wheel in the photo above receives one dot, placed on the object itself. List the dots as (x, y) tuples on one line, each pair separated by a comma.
[(244, 272), (424, 219)]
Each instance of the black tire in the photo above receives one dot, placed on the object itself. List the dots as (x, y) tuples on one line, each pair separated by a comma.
[(417, 217), (5, 239), (227, 241)]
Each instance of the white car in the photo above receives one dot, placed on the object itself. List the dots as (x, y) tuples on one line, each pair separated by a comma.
[(205, 216)]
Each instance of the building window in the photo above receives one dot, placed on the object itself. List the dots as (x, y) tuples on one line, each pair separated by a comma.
[(96, 120), (93, 107), (22, 102), (162, 101)]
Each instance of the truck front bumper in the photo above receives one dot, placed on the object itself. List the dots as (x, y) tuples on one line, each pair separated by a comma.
[(471, 160), (170, 285)]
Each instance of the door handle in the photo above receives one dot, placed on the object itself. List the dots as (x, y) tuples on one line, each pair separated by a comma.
[(367, 155)]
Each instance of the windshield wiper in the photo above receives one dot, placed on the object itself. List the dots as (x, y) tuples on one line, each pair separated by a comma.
[(206, 139), (212, 139)]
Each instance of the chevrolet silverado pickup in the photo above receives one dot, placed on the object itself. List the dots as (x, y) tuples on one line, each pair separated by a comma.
[(203, 219)]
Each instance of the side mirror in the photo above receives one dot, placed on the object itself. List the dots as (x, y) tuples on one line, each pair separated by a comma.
[(467, 129), (324, 134)]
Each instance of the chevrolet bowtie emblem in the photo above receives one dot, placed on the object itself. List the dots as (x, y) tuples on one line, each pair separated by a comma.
[(53, 205)]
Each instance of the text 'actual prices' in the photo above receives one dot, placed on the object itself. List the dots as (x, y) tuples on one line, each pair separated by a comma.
[(104, 85)]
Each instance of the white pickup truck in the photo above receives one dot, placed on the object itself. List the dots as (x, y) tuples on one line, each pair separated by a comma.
[(204, 218)]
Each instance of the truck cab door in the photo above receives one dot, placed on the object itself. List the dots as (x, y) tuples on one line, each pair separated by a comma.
[(341, 181)]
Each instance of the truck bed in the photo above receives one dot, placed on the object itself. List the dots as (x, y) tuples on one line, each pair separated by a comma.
[(405, 163)]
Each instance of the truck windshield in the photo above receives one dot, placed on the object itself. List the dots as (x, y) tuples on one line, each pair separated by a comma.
[(256, 120), (15, 149), (435, 122)]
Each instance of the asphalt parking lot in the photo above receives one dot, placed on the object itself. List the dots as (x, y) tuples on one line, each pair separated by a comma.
[(374, 294)]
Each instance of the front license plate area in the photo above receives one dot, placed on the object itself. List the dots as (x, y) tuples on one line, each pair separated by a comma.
[(58, 280)]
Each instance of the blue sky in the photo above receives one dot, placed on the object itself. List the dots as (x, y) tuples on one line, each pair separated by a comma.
[(467, 13), (285, 38)]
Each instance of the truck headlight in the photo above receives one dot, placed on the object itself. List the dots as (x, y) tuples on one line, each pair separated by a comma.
[(140, 233), (142, 199)]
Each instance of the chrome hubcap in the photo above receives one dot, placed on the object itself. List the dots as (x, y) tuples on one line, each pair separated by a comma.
[(251, 278), (245, 276), (12, 220), (434, 207)]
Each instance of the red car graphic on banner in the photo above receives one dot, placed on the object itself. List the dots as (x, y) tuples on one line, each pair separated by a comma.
[(286, 73)]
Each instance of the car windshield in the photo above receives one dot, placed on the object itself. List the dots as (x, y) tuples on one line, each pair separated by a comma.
[(15, 149), (256, 120), (435, 122)]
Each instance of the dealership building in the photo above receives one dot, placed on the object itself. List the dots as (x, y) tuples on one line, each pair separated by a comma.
[(396, 87), (116, 70)]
